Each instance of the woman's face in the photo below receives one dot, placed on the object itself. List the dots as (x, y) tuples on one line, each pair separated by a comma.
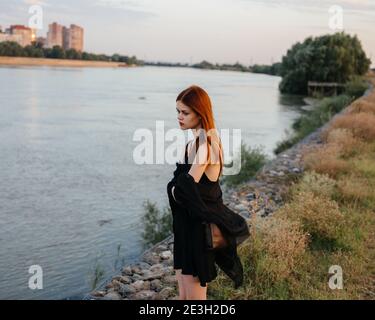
[(187, 117)]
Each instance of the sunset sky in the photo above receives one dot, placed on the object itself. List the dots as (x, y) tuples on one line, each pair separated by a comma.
[(222, 31)]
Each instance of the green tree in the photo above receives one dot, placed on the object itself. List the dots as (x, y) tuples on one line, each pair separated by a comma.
[(73, 54), (57, 52), (11, 49), (33, 51), (328, 58)]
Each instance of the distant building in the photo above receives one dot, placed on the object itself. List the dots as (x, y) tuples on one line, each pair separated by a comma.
[(67, 38), (11, 37), (18, 33), (75, 38), (25, 32), (55, 35)]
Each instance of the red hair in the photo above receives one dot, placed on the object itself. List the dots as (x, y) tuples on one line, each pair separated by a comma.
[(198, 100)]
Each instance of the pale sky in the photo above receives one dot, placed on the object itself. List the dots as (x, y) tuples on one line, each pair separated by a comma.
[(220, 31)]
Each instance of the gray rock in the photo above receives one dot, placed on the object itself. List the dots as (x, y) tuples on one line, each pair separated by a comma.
[(138, 285), (170, 279), (143, 295), (156, 267), (147, 285), (156, 285), (166, 254), (112, 296), (164, 294), (151, 258), (250, 196), (114, 284), (240, 207), (149, 275), (98, 293), (126, 289), (136, 269), (125, 279), (127, 271), (143, 265), (137, 276), (161, 248)]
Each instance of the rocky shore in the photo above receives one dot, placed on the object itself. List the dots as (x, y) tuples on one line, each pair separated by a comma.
[(153, 278)]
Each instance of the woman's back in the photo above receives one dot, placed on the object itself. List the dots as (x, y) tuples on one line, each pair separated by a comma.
[(212, 171)]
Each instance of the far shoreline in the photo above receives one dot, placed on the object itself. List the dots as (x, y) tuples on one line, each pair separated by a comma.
[(26, 61)]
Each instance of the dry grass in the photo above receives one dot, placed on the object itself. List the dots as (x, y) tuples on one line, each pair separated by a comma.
[(319, 215), (355, 189), (311, 181), (365, 166), (345, 140), (325, 160), (361, 105), (362, 125), (275, 249)]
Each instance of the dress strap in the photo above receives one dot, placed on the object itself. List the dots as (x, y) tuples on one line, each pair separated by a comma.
[(186, 147), (186, 153)]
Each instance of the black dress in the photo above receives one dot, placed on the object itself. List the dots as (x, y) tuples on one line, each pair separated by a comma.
[(199, 203)]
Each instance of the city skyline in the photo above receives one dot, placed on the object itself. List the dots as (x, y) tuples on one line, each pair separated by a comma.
[(219, 31), (57, 35)]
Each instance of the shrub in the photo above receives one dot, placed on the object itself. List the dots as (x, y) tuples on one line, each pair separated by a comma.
[(362, 105), (252, 159), (318, 184), (356, 87), (275, 248), (319, 215), (355, 189), (362, 125), (344, 139), (157, 225), (365, 166), (325, 160)]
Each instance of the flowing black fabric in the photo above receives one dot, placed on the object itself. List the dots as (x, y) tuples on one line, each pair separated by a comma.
[(196, 204)]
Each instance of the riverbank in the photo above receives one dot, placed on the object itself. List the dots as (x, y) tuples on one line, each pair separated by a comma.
[(24, 61), (152, 277)]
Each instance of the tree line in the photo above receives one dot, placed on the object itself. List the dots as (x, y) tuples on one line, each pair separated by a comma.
[(36, 50)]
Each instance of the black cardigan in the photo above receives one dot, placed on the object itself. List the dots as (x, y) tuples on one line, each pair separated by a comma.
[(204, 204)]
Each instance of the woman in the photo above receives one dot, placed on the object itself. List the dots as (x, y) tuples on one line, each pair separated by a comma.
[(195, 198)]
